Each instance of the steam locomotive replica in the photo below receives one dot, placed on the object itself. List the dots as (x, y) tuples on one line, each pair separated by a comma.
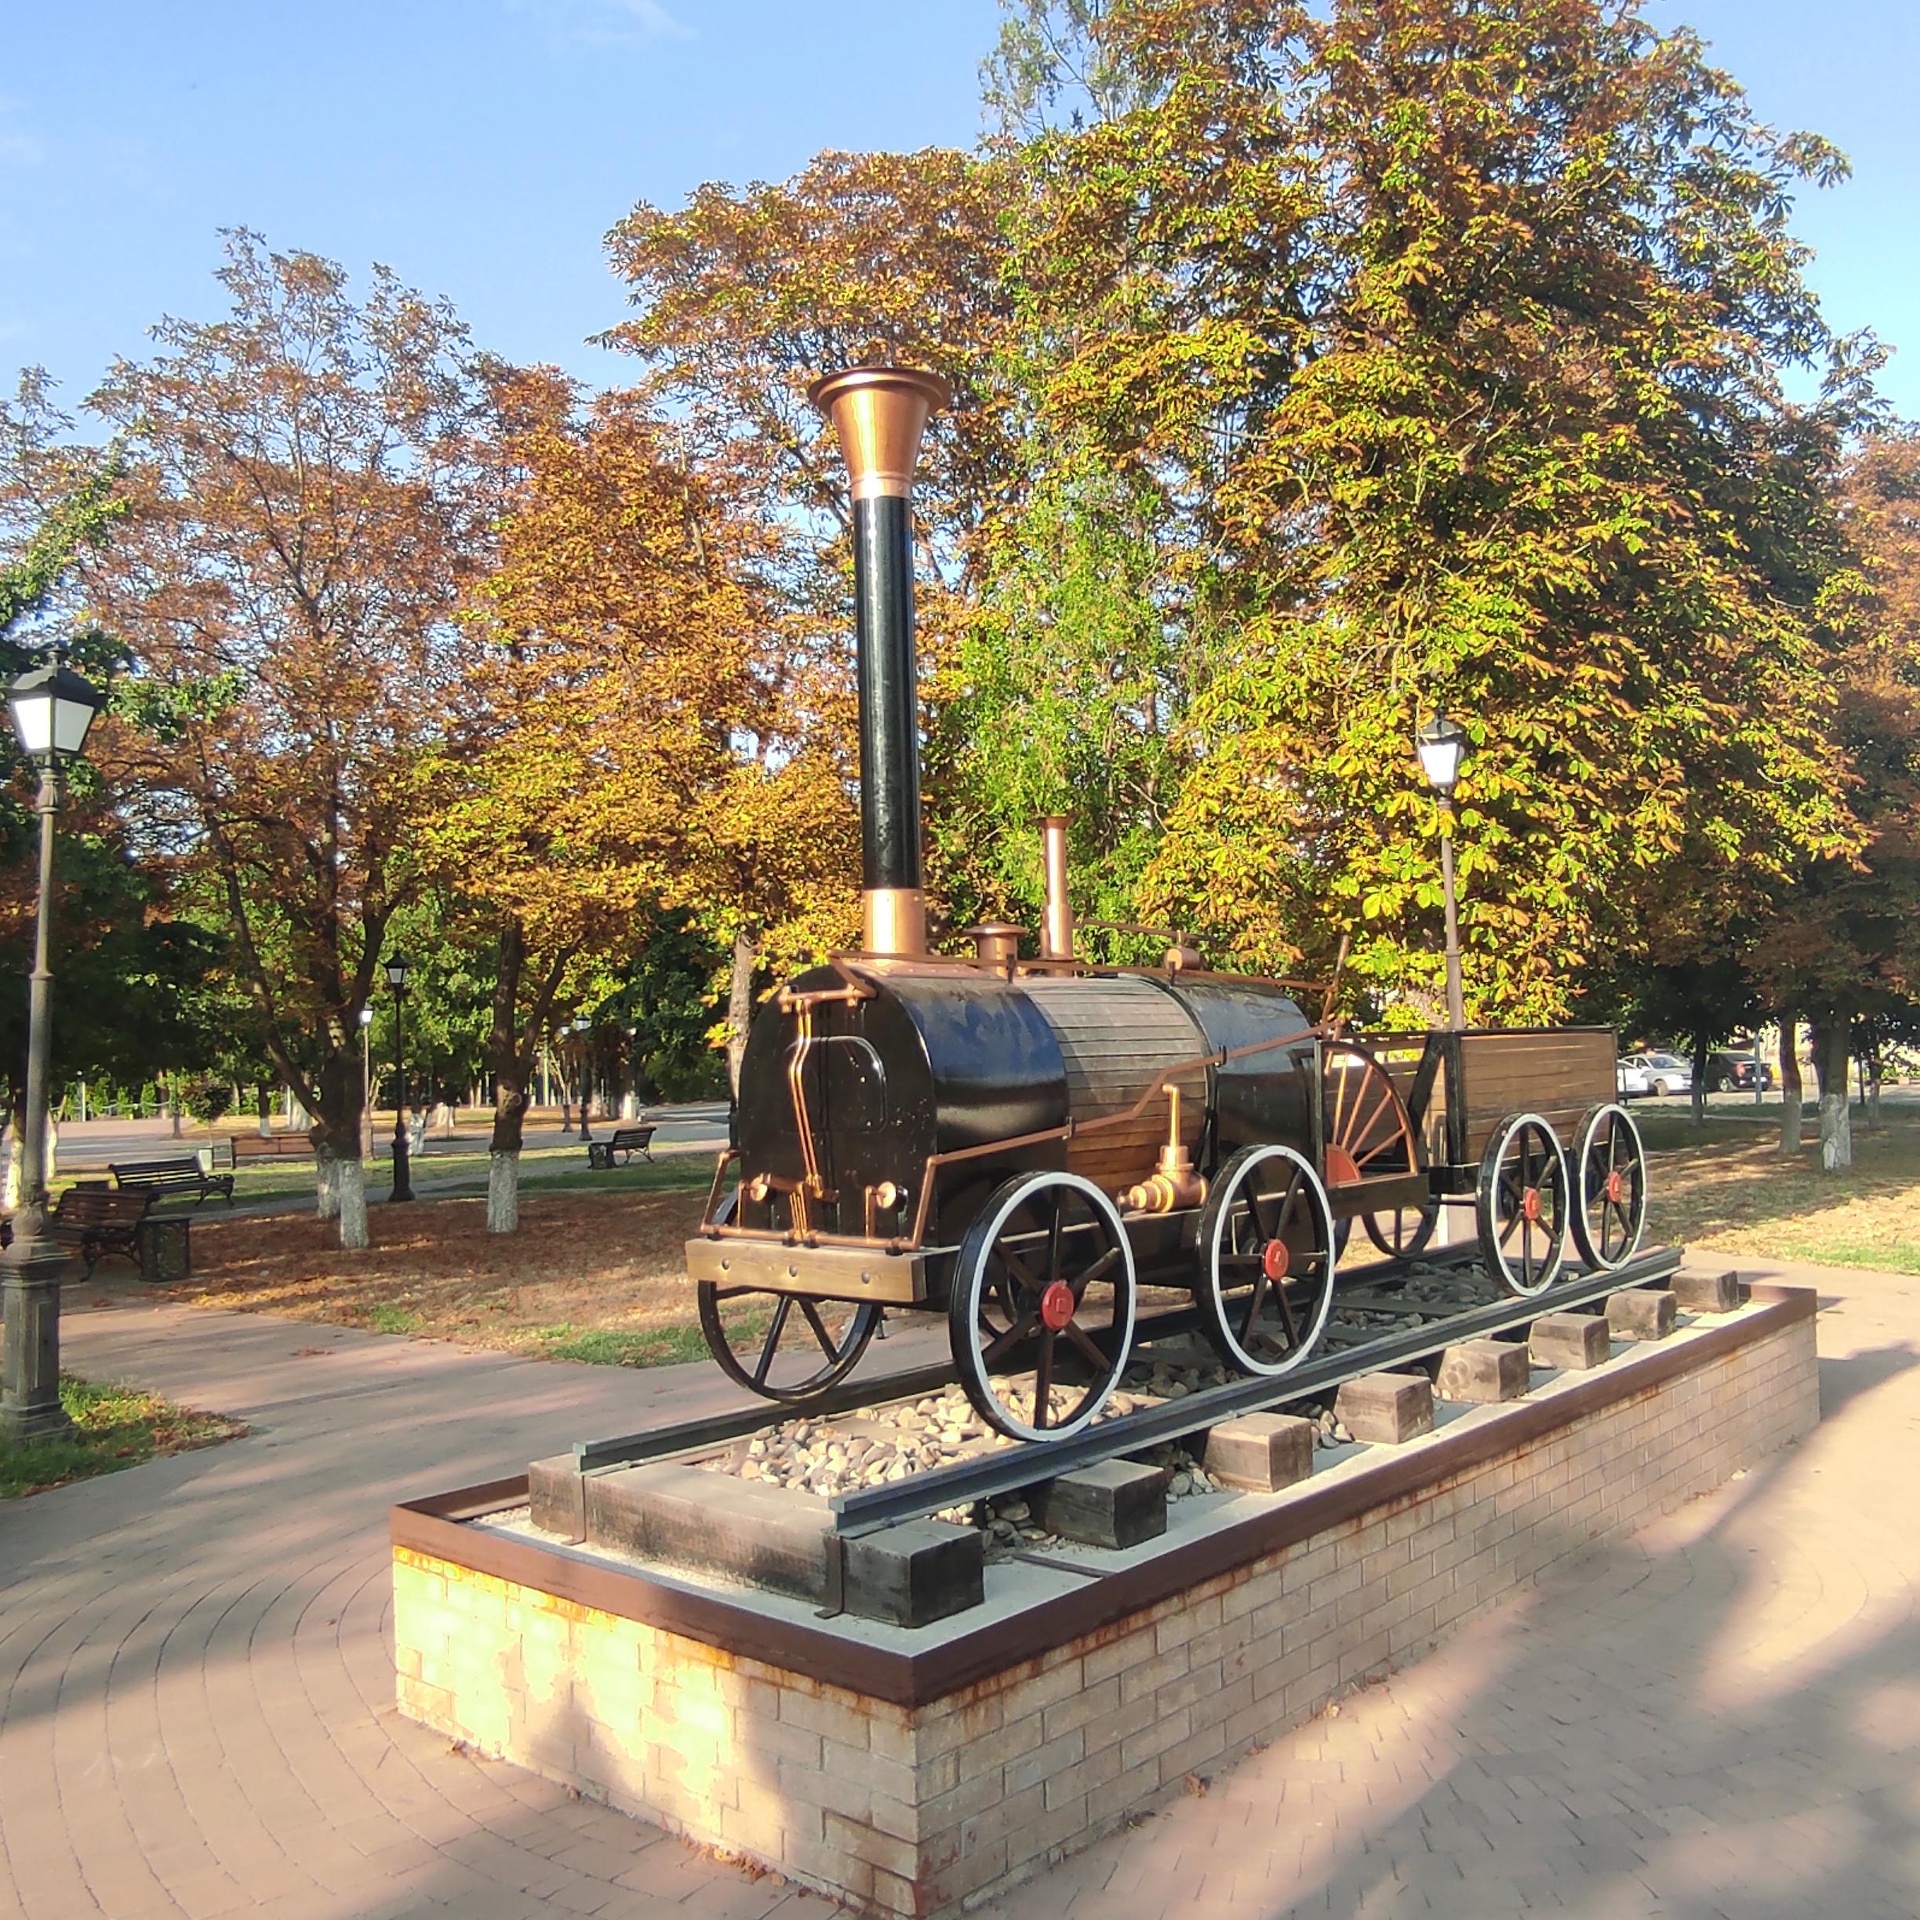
[(1030, 1145)]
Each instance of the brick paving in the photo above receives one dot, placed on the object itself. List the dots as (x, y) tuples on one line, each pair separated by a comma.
[(1721, 1717)]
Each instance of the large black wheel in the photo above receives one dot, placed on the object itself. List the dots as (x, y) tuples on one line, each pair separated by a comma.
[(1403, 1232), (783, 1346), (1610, 1178), (1041, 1314), (1267, 1260), (1521, 1204)]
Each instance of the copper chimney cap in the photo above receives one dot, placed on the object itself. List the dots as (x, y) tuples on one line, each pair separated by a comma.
[(880, 414)]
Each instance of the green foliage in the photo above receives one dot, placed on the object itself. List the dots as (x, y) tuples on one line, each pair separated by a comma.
[(610, 1347)]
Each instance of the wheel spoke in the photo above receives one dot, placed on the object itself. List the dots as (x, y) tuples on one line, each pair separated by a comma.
[(1081, 1339), (819, 1326), (1053, 1238), (1043, 1380), (1098, 1271), (1007, 1341), (772, 1345)]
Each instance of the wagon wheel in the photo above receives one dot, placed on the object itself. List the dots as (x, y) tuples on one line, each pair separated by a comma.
[(1041, 1314), (1369, 1133), (1610, 1176), (1521, 1204), (782, 1346), (1268, 1255)]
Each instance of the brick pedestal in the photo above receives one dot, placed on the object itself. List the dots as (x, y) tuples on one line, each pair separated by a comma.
[(912, 1771)]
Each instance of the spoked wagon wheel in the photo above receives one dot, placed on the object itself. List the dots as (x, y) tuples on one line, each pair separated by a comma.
[(1041, 1315), (1521, 1204), (783, 1346), (1369, 1133), (1267, 1258), (1610, 1178)]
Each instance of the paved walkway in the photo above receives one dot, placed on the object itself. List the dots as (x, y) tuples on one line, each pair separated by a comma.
[(1722, 1717)]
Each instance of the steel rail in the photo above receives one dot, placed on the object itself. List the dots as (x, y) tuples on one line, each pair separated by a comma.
[(868, 1509)]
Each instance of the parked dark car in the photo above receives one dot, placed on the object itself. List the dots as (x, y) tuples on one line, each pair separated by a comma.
[(1733, 1073)]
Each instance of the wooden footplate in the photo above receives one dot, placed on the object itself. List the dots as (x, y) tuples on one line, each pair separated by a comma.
[(824, 1273)]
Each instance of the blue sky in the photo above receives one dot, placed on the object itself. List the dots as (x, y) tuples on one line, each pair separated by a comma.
[(483, 147)]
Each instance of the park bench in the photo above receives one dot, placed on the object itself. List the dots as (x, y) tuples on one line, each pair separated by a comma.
[(625, 1141), (163, 1177), (271, 1146), (98, 1220)]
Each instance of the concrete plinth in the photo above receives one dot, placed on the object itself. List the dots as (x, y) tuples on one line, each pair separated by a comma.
[(914, 1771)]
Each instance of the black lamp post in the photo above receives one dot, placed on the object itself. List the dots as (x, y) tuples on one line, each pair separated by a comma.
[(397, 980), (52, 710), (580, 1031), (1442, 747)]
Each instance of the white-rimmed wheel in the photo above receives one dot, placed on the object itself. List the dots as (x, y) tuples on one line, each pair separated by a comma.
[(1610, 1179), (1267, 1259), (1521, 1204), (1041, 1314)]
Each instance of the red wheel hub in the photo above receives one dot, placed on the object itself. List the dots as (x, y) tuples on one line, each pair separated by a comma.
[(1616, 1186), (1057, 1305), (1276, 1259), (1530, 1203)]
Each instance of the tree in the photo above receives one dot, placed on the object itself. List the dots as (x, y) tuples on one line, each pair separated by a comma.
[(310, 495), (1449, 335)]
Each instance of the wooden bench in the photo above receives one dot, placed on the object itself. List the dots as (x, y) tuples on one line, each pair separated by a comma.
[(625, 1141), (98, 1220), (163, 1177), (271, 1146)]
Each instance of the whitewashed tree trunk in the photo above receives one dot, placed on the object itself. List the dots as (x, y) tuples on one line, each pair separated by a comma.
[(350, 1188), (327, 1185), (10, 1196), (50, 1149), (503, 1192), (1836, 1132), (739, 1005)]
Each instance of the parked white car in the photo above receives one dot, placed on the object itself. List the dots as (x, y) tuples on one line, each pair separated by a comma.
[(1666, 1072), (1630, 1079)]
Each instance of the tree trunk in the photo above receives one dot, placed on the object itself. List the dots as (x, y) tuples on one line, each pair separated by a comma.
[(1792, 1091), (336, 1130), (508, 1059), (1831, 1053), (350, 1189), (503, 1192), (16, 1133), (1698, 1098), (326, 1182), (740, 1005), (263, 1108), (1872, 1067)]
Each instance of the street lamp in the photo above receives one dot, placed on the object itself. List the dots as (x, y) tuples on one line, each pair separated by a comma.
[(52, 710), (580, 1029), (1442, 746), (397, 979), (366, 1083)]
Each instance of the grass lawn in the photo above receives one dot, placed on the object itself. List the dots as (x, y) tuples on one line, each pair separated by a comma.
[(1728, 1188), (118, 1427), (596, 1272)]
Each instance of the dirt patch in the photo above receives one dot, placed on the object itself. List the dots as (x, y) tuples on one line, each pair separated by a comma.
[(589, 1276)]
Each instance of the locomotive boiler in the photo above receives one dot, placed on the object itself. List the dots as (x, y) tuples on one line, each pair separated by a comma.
[(1032, 1145)]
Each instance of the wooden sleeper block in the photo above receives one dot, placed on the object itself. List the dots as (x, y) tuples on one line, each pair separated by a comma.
[(1642, 1313), (1261, 1452), (1387, 1408), (1115, 1503), (1707, 1292), (1571, 1342), (1483, 1372), (557, 1496), (916, 1573)]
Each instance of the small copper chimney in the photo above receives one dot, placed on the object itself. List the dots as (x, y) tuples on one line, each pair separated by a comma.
[(880, 414), (1056, 929)]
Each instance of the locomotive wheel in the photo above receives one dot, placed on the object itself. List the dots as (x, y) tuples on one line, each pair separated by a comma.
[(1610, 1176), (783, 1346), (1268, 1253), (1044, 1282), (1521, 1205), (1403, 1232)]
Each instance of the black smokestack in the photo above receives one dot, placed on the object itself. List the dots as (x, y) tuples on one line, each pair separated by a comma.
[(880, 414)]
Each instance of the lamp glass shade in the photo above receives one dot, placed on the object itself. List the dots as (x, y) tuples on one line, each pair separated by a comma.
[(580, 1026), (1442, 747), (53, 708), (397, 970), (366, 1016)]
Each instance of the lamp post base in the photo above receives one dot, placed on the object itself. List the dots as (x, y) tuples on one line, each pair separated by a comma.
[(30, 1273)]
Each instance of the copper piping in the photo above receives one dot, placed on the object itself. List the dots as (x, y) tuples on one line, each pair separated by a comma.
[(1056, 928)]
